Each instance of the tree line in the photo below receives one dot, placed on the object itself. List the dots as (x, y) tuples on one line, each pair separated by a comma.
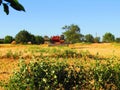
[(71, 34), (23, 37)]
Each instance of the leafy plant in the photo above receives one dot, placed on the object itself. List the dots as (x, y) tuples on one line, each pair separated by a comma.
[(12, 3)]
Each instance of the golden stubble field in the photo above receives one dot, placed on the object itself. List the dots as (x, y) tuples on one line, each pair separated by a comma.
[(10, 54), (104, 49)]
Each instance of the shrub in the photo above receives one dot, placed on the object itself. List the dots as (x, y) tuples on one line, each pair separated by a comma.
[(46, 75), (1, 41), (117, 40), (8, 39), (39, 40)]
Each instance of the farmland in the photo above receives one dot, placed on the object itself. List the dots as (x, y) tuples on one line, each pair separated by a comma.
[(93, 61)]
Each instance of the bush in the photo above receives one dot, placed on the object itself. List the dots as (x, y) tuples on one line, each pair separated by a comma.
[(1, 41), (39, 40), (44, 75), (47, 75), (117, 40), (8, 39)]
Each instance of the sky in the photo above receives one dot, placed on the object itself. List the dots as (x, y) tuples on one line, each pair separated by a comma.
[(47, 17)]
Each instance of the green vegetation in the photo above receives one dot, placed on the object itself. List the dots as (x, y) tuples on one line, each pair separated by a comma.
[(108, 37), (89, 38), (39, 40), (12, 3), (97, 39), (25, 37), (8, 39), (48, 73), (117, 40), (62, 68), (72, 33)]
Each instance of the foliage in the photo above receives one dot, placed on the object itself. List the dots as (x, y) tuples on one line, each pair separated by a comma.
[(1, 41), (8, 39), (89, 38), (39, 40), (23, 37), (32, 39), (108, 37), (12, 3), (44, 74), (106, 76), (72, 33), (62, 68), (97, 39), (117, 40)]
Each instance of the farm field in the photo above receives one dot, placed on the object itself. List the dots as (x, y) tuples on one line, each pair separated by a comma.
[(74, 56)]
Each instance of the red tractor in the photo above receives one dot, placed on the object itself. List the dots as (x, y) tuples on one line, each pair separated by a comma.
[(57, 39)]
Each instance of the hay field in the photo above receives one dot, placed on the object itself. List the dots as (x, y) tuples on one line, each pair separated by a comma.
[(10, 54), (104, 49)]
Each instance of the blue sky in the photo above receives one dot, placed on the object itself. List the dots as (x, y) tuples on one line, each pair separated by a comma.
[(47, 17)]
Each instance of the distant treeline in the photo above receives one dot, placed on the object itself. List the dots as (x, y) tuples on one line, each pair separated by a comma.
[(71, 35)]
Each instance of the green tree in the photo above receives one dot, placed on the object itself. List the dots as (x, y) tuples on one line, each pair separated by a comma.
[(39, 40), (117, 40), (72, 33), (32, 39), (23, 37), (11, 3), (8, 39), (97, 39), (89, 38), (108, 37), (1, 41)]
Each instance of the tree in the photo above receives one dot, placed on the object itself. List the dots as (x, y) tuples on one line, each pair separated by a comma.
[(108, 37), (1, 41), (89, 38), (23, 37), (32, 39), (11, 3), (72, 33), (39, 40), (8, 39), (117, 40), (97, 39)]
